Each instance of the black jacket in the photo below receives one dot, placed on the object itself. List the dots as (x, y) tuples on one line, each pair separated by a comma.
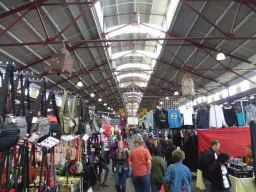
[(215, 177), (169, 150), (208, 160)]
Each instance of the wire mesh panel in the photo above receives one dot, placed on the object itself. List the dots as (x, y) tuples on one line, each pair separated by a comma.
[(173, 102)]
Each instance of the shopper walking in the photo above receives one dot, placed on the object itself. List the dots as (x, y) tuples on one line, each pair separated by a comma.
[(140, 161), (155, 144), (157, 171), (121, 167), (218, 174), (209, 157), (169, 149), (177, 174), (103, 162), (112, 150)]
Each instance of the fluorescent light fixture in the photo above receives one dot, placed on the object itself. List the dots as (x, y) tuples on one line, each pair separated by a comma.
[(92, 95), (220, 56), (225, 93), (216, 96), (232, 90), (245, 85), (209, 99), (79, 84), (105, 104), (99, 99), (176, 93)]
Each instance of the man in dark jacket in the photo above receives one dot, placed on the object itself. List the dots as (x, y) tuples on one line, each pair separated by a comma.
[(103, 162), (209, 157)]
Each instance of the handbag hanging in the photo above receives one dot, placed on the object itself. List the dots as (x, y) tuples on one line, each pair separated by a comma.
[(9, 133)]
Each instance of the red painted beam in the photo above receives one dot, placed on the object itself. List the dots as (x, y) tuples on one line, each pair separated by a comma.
[(206, 19), (74, 20), (200, 45), (21, 8), (68, 3), (127, 40), (76, 75), (14, 22)]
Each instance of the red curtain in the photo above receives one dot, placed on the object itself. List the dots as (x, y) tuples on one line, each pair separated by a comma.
[(232, 140)]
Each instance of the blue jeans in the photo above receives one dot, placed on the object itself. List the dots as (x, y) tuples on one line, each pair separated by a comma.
[(213, 189), (155, 187), (142, 184), (120, 180), (104, 167)]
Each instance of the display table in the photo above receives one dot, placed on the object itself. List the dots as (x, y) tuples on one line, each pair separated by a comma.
[(75, 184), (238, 184), (242, 184)]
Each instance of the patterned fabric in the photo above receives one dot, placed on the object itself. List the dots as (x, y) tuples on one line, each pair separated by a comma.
[(203, 118)]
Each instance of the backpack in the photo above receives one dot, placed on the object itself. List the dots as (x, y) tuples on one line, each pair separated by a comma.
[(111, 154), (200, 163)]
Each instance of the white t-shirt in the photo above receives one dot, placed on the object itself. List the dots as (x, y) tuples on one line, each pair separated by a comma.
[(224, 176), (187, 115)]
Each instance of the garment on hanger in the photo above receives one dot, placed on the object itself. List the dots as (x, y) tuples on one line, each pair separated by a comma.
[(174, 118), (240, 116), (150, 119), (156, 117), (163, 119), (250, 112), (230, 116), (187, 115), (217, 119), (202, 118)]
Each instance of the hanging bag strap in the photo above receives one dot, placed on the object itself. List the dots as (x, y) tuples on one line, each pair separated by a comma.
[(37, 102), (55, 109), (28, 92), (9, 105), (22, 105), (3, 94), (64, 99), (43, 101)]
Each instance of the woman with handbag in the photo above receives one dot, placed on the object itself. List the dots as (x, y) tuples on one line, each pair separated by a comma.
[(177, 175), (157, 170), (218, 174), (121, 167)]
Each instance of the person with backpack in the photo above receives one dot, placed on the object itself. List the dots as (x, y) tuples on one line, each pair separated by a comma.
[(206, 159), (112, 149)]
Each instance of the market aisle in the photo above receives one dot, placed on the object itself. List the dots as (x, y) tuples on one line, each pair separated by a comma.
[(111, 177), (129, 184)]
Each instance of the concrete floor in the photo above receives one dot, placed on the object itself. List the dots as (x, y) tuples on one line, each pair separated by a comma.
[(129, 183)]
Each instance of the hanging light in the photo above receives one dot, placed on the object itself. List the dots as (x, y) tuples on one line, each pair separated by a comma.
[(112, 109), (161, 102), (79, 84), (220, 56), (92, 95), (105, 104), (108, 108), (99, 99), (176, 93), (167, 98)]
